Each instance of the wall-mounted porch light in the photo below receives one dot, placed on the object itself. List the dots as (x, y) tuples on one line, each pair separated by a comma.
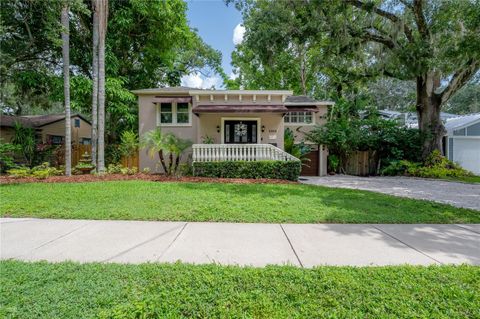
[(218, 128), (263, 128)]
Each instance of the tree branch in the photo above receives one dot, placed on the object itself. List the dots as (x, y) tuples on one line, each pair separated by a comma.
[(390, 16), (420, 19), (460, 77)]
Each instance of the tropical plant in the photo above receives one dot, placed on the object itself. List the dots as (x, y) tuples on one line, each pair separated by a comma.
[(299, 150), (66, 86), (24, 139), (7, 151), (165, 145), (154, 142), (129, 145)]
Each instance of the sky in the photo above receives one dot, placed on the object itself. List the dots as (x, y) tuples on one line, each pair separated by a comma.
[(220, 27)]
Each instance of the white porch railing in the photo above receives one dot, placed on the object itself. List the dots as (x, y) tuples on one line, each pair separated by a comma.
[(239, 152)]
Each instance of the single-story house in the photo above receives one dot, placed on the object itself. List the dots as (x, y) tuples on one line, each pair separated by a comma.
[(238, 124), (462, 142), (49, 128)]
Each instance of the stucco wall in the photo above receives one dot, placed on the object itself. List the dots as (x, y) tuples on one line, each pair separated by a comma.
[(300, 130), (205, 124)]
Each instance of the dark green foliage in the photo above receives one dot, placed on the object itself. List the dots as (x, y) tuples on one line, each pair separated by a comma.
[(289, 170), (71, 290), (387, 138), (299, 150), (7, 152), (435, 166)]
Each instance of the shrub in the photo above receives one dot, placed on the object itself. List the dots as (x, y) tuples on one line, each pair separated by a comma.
[(146, 170), (7, 151), (129, 171), (435, 166), (289, 170), (19, 172), (114, 169), (41, 171)]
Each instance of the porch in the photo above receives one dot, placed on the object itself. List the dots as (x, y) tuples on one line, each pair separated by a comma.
[(239, 152)]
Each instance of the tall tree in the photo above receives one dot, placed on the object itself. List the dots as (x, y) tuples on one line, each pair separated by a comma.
[(66, 86), (434, 43), (94, 138), (102, 30)]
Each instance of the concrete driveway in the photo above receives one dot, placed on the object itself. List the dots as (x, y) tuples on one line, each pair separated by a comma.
[(453, 193), (303, 245)]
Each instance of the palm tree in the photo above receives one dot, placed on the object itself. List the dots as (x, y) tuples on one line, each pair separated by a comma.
[(102, 29), (66, 87), (182, 146), (154, 142), (95, 82)]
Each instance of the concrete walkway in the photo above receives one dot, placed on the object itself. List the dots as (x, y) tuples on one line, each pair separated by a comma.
[(304, 245), (453, 193)]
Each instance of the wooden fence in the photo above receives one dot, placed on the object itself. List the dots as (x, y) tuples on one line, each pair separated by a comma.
[(361, 163), (80, 149)]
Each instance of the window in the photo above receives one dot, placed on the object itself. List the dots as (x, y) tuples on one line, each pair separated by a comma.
[(173, 113), (299, 118), (76, 123), (182, 113), (86, 141), (55, 139)]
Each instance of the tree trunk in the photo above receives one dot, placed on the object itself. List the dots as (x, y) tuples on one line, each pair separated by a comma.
[(102, 29), (162, 161), (95, 83), (428, 110), (66, 88)]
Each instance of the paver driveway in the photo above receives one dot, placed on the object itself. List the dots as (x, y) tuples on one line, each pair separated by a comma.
[(453, 193)]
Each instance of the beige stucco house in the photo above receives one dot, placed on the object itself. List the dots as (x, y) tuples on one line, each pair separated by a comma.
[(237, 124), (49, 128)]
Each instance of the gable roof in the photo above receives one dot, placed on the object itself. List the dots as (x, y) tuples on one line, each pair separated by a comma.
[(36, 120), (459, 122)]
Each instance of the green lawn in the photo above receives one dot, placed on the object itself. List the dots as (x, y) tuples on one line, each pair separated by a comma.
[(70, 290), (289, 203), (465, 179)]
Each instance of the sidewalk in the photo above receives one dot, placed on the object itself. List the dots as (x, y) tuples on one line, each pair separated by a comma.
[(304, 245)]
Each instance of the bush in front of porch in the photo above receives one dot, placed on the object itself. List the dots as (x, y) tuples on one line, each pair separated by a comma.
[(289, 170)]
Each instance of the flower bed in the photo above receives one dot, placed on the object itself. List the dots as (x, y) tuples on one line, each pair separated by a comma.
[(139, 176)]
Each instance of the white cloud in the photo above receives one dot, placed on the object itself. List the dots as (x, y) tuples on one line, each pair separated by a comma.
[(233, 76), (238, 34), (198, 81), (192, 80)]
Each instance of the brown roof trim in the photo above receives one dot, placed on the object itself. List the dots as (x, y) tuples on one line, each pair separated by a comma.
[(63, 118), (240, 108)]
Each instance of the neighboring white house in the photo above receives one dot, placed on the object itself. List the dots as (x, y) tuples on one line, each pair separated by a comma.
[(462, 143)]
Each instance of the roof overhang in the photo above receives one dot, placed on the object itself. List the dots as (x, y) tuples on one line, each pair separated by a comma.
[(257, 108)]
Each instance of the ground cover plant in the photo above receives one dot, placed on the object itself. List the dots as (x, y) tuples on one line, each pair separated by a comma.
[(71, 290), (221, 202)]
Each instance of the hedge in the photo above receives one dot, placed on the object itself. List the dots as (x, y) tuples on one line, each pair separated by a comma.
[(289, 170)]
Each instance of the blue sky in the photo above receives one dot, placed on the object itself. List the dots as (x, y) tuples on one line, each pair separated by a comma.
[(216, 24)]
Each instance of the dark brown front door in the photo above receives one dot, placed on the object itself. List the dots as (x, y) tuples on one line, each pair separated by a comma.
[(240, 132)]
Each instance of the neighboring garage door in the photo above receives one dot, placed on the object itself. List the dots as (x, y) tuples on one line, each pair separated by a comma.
[(310, 168), (466, 152)]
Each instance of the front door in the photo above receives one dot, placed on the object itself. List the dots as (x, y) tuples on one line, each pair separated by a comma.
[(240, 132)]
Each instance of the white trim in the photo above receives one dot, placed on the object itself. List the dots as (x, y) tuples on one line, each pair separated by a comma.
[(174, 116), (300, 123), (460, 127), (222, 127)]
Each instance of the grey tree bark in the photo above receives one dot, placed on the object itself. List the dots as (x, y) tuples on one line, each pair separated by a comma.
[(66, 87), (102, 29), (95, 83)]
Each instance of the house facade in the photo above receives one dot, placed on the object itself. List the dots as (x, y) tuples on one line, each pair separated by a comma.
[(235, 124), (462, 141), (48, 128)]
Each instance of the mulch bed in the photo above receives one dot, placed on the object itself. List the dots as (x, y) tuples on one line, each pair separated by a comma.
[(143, 177)]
